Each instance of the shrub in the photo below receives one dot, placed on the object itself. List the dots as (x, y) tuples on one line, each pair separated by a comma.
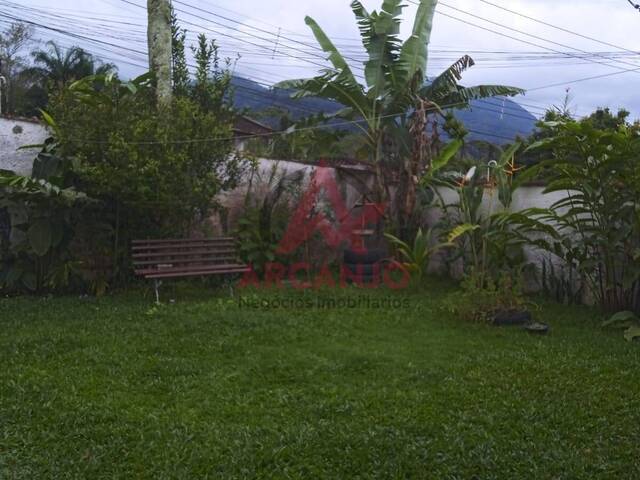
[(149, 172), (595, 228)]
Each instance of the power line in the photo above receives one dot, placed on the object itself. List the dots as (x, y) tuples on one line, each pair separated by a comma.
[(533, 36), (267, 48), (587, 37), (75, 35), (634, 5), (584, 79)]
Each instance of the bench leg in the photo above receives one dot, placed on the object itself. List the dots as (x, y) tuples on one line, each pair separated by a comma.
[(156, 284), (230, 282)]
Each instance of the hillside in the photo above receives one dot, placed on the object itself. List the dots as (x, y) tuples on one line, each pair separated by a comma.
[(492, 120)]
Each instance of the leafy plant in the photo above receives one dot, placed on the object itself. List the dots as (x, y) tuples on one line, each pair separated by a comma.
[(415, 257), (560, 282), (266, 214), (41, 218), (57, 67), (626, 320), (393, 105), (594, 228), (156, 173), (484, 236)]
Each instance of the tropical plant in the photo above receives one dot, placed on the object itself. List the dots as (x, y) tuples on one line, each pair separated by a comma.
[(57, 67), (484, 235), (391, 108), (41, 218), (560, 281), (415, 257), (595, 227)]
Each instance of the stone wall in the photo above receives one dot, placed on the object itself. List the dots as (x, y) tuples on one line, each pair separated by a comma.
[(14, 133)]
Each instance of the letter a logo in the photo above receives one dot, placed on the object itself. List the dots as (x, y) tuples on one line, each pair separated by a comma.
[(307, 218)]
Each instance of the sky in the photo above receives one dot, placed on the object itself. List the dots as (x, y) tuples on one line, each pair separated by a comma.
[(269, 41)]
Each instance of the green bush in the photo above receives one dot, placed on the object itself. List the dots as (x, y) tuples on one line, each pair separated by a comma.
[(150, 172), (594, 229)]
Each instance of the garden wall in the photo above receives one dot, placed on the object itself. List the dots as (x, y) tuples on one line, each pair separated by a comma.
[(523, 198), (351, 178), (14, 133)]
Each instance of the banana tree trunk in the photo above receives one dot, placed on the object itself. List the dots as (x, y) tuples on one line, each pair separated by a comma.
[(405, 200), (159, 43)]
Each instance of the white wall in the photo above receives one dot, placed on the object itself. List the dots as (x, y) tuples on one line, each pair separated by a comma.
[(13, 135)]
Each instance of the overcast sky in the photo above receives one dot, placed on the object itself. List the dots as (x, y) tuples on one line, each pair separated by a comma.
[(499, 59)]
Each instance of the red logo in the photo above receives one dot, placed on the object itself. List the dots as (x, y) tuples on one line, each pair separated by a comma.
[(322, 209), (307, 219)]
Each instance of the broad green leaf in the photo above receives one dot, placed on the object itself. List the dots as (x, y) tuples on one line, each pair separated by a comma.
[(447, 153), (460, 230), (414, 52), (508, 154), (545, 142), (335, 57)]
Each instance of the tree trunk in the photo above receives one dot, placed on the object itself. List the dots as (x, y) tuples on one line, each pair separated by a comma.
[(159, 40)]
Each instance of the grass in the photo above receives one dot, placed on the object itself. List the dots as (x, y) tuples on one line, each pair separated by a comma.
[(205, 388)]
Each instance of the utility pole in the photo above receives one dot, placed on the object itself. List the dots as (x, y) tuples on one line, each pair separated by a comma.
[(159, 40)]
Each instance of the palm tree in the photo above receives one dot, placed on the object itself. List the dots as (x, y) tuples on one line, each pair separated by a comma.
[(393, 104), (59, 67)]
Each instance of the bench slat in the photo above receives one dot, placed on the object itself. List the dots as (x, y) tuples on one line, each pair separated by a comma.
[(184, 240), (170, 246), (197, 273), (194, 268), (172, 258), (183, 253), (185, 260)]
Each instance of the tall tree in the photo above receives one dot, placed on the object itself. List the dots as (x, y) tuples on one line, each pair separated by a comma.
[(159, 42), (12, 42), (212, 84), (179, 70), (57, 67), (393, 103)]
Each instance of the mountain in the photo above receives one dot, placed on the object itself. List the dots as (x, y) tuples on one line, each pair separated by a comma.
[(492, 120)]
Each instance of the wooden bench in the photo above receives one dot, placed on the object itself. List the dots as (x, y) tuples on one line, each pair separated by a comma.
[(178, 258)]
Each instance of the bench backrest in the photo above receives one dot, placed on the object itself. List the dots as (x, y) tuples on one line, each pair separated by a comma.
[(181, 257)]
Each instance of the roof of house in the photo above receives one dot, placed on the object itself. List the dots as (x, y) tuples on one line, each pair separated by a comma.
[(15, 118), (243, 126)]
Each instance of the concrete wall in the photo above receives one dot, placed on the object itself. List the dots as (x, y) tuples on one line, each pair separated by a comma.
[(13, 135), (524, 197)]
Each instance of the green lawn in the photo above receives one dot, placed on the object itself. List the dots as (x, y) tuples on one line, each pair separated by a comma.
[(202, 388)]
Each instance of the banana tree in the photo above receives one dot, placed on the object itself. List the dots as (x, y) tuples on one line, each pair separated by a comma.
[(395, 98)]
